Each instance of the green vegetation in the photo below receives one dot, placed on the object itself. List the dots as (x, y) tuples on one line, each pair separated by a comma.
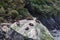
[(13, 9), (46, 7), (43, 7)]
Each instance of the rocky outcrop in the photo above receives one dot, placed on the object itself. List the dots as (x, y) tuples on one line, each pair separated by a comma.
[(32, 29), (25, 30)]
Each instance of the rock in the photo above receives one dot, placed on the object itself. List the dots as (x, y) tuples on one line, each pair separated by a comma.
[(2, 34), (13, 35), (36, 32)]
